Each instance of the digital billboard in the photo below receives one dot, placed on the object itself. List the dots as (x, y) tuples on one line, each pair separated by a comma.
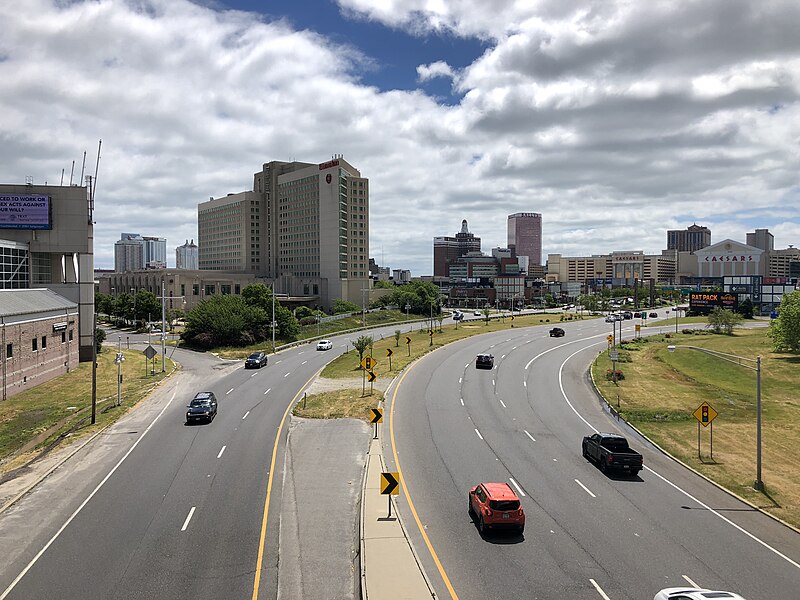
[(704, 302), (25, 212)]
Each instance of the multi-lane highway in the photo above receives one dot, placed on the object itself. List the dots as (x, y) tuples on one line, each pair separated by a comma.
[(588, 535)]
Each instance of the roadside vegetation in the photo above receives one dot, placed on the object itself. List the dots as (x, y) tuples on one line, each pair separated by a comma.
[(36, 420), (661, 389)]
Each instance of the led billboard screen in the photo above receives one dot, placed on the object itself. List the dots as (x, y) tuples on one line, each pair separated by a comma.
[(25, 212), (704, 302)]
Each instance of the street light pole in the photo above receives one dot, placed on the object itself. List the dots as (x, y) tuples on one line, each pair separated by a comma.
[(758, 485)]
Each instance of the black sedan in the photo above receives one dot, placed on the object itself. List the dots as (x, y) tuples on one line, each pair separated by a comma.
[(256, 360), (556, 332)]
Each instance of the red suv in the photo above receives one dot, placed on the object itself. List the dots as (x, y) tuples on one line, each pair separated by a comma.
[(496, 505)]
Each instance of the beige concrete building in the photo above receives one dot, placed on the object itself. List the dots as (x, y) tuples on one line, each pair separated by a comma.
[(305, 227), (48, 241), (620, 268), (784, 263), (39, 338)]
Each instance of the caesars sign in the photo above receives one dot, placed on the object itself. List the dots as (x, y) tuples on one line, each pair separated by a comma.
[(704, 302)]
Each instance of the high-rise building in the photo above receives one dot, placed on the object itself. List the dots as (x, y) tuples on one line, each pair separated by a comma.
[(693, 238), (447, 250), (761, 238), (133, 252), (304, 226), (525, 236), (186, 256)]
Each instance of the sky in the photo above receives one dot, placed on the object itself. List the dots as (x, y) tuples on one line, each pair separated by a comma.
[(615, 119)]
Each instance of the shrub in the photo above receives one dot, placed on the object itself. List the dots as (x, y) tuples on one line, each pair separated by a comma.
[(612, 375), (688, 331), (308, 321)]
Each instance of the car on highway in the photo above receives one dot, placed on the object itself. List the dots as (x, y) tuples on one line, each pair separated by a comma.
[(496, 505), (457, 315), (203, 407), (484, 361), (678, 593), (636, 315), (611, 452), (627, 315), (556, 332), (610, 319), (256, 360), (653, 315), (477, 313), (324, 345)]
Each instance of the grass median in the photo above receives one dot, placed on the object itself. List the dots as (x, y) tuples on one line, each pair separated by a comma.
[(662, 389), (38, 419)]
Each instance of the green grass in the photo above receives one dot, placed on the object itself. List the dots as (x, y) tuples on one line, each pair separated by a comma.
[(345, 403), (661, 389), (45, 414)]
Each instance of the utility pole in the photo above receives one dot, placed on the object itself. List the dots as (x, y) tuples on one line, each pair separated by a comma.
[(163, 331), (273, 317), (94, 369)]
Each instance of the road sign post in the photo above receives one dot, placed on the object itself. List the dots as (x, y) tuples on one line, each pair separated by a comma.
[(408, 344), (389, 353), (705, 415), (390, 486), (377, 417)]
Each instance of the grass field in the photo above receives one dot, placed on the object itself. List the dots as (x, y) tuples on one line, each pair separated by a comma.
[(662, 389), (346, 403), (33, 420)]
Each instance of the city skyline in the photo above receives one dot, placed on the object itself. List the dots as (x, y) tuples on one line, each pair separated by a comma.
[(589, 114)]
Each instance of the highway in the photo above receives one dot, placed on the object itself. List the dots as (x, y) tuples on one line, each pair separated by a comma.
[(588, 535)]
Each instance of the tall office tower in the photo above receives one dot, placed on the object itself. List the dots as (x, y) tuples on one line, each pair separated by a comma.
[(693, 238), (316, 227), (525, 236), (154, 251), (228, 238), (761, 238), (448, 249), (128, 253), (186, 256)]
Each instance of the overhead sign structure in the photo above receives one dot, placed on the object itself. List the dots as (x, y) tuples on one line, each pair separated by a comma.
[(377, 415), (368, 363), (705, 414), (390, 483)]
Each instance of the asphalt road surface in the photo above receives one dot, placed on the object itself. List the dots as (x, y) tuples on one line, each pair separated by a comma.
[(588, 535)]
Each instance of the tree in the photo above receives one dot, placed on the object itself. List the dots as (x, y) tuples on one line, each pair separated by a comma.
[(225, 321), (258, 295), (396, 338), (746, 309), (722, 320), (385, 285), (420, 296), (99, 338), (486, 311), (785, 330), (344, 306), (104, 304), (145, 306), (301, 312), (361, 345)]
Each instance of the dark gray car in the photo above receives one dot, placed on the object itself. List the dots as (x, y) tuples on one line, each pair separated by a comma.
[(203, 407)]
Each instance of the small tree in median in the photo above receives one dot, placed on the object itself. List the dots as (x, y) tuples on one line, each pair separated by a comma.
[(396, 338), (722, 320), (361, 345)]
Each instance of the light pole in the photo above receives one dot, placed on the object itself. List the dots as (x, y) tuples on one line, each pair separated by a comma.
[(408, 306), (747, 363), (120, 358)]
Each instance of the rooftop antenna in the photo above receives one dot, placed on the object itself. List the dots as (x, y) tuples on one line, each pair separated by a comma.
[(83, 167), (71, 173), (62, 178)]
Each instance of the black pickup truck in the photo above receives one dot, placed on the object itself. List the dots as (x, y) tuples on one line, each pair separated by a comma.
[(611, 453)]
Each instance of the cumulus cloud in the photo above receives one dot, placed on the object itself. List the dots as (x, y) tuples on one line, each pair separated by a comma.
[(615, 120), (433, 70)]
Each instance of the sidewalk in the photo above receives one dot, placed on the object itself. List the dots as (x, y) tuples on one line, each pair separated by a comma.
[(389, 567)]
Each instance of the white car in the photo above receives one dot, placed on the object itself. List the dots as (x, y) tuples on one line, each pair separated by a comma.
[(324, 345), (678, 593), (477, 313)]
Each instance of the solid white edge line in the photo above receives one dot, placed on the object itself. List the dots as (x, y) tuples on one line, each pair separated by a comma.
[(245, 415), (188, 518), (39, 554), (529, 435), (221, 451), (585, 489), (664, 479), (479, 434), (267, 391), (691, 583), (516, 485), (599, 589)]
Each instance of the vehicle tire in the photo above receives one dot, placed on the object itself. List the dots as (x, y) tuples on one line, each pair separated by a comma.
[(584, 452), (635, 472), (469, 509), (521, 529), (481, 525), (603, 467)]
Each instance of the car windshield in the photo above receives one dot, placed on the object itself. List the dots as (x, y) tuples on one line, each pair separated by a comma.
[(201, 402), (504, 504), (255, 355)]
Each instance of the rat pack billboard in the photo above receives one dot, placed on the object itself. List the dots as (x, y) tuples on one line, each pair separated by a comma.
[(704, 302), (25, 212)]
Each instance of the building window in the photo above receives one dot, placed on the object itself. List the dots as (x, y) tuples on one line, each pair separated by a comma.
[(183, 289), (195, 289), (237, 289), (44, 342), (70, 335), (63, 336), (34, 346), (9, 350)]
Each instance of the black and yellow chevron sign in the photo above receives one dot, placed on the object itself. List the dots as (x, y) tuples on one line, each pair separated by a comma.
[(377, 415), (389, 352), (371, 376), (390, 483)]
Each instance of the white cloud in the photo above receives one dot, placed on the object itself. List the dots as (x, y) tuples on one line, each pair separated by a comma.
[(433, 70), (616, 121)]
